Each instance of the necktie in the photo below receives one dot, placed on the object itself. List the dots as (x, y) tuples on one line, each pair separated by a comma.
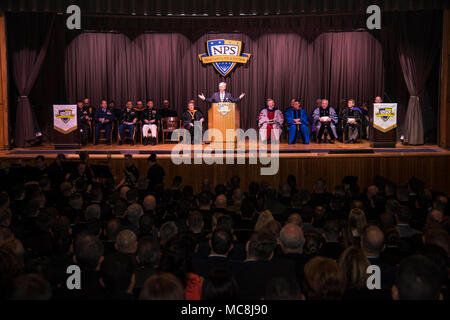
[(222, 96)]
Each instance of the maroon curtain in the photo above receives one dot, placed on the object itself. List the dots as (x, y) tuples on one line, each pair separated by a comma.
[(27, 59), (418, 47), (338, 65)]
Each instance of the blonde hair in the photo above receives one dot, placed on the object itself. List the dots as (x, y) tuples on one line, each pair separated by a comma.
[(264, 218), (354, 263), (357, 221)]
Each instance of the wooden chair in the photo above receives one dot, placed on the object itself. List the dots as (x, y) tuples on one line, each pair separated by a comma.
[(359, 140), (102, 132), (169, 125), (127, 133)]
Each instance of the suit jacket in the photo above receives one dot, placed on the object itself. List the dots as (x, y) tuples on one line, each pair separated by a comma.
[(216, 98), (202, 267)]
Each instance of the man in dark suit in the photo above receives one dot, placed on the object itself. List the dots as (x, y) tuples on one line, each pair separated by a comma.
[(221, 96), (220, 245), (103, 118)]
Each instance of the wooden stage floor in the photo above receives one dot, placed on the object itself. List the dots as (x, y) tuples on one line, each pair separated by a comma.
[(285, 151)]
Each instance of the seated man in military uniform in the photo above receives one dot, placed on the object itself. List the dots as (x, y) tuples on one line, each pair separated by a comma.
[(129, 119), (103, 118), (149, 124), (84, 116)]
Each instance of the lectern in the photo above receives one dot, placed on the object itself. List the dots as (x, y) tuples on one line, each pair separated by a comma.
[(223, 116), (65, 127), (383, 125)]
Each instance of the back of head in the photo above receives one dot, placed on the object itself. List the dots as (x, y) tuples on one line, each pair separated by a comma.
[(116, 272), (282, 288), (93, 212), (195, 221), (262, 245), (332, 229), (372, 240), (31, 287), (438, 237), (149, 203), (132, 195), (357, 220), (263, 219), (88, 250), (126, 241), (220, 285), (319, 216), (221, 201), (324, 279), (221, 240), (112, 228), (417, 279), (168, 231), (134, 213), (162, 286), (354, 264), (148, 251), (296, 219), (292, 238)]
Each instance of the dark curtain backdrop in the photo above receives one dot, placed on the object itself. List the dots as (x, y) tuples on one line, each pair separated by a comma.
[(283, 66)]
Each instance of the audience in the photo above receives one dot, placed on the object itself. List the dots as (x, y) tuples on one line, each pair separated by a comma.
[(227, 242)]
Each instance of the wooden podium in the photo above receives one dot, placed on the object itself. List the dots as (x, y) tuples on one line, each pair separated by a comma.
[(223, 116), (383, 126)]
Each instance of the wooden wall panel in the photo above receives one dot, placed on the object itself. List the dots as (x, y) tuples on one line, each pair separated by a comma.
[(3, 86), (431, 169), (444, 132)]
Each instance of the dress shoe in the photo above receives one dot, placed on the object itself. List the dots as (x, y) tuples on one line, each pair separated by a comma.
[(120, 142)]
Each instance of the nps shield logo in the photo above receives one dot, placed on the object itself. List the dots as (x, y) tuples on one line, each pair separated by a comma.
[(224, 55), (385, 114), (223, 109), (65, 115)]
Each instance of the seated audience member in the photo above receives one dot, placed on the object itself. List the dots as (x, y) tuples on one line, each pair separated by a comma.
[(402, 217), (270, 122), (332, 248), (177, 259), (253, 274), (263, 219), (325, 120), (292, 241), (324, 279), (167, 231), (149, 124), (117, 277), (88, 255), (128, 121), (372, 244), (220, 285), (126, 242), (221, 244), (103, 118), (162, 286), (148, 255), (417, 279), (356, 223), (110, 233), (351, 119), (297, 121), (31, 287), (193, 122)]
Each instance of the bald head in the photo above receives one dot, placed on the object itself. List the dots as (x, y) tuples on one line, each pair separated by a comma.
[(292, 239), (238, 195), (372, 241), (221, 201), (126, 242), (149, 203)]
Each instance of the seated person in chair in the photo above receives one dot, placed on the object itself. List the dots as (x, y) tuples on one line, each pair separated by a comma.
[(149, 121), (325, 118), (351, 120), (192, 118), (166, 111), (270, 120), (297, 121), (103, 118), (129, 119), (84, 116)]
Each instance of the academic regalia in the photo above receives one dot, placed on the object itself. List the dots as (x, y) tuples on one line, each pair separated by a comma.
[(190, 117), (297, 130), (266, 126), (331, 126), (352, 130)]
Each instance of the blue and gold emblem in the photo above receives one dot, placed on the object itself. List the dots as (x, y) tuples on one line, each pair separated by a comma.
[(224, 55)]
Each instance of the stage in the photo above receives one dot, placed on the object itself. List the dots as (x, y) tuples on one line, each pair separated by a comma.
[(308, 162)]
